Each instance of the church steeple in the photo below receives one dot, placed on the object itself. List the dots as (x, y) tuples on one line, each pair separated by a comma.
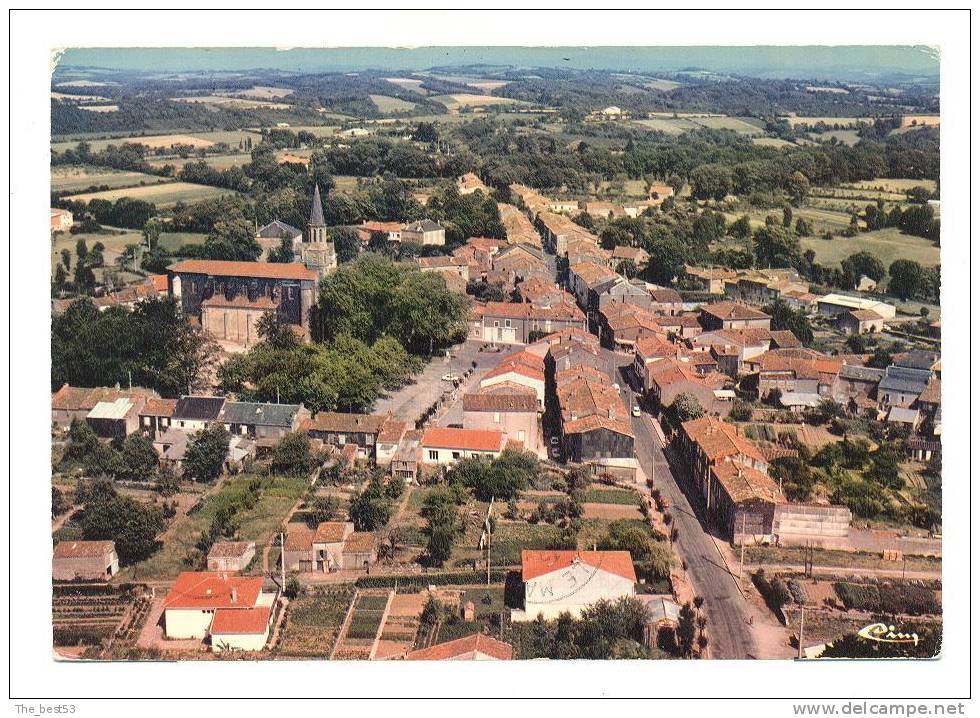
[(316, 228), (316, 210)]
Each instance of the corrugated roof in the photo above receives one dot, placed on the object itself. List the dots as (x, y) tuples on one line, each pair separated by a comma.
[(117, 409)]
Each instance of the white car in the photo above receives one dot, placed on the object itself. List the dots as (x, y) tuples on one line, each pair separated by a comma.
[(554, 441), (636, 411), (450, 377)]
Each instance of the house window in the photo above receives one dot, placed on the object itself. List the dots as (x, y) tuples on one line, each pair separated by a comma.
[(496, 417), (433, 455), (456, 455), (496, 323), (507, 322)]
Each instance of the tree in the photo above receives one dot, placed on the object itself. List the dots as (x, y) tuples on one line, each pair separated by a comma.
[(787, 216), (686, 407), (204, 459), (686, 630), (59, 502), (627, 268), (132, 525), (784, 317), (668, 254), (741, 228), (776, 246), (139, 457), (232, 239), (346, 243), (274, 332), (425, 132), (322, 508), (867, 264), (798, 187), (711, 181), (66, 259), (292, 456), (907, 278), (369, 509)]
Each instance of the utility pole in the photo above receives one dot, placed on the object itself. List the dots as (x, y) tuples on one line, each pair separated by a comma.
[(799, 653), (282, 558), (741, 557)]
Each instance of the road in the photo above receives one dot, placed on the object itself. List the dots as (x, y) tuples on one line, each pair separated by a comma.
[(724, 606)]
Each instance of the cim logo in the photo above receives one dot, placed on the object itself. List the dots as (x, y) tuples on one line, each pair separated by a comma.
[(881, 633)]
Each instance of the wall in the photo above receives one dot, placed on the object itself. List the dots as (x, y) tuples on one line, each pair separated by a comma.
[(572, 589), (517, 425), (187, 623), (239, 641)]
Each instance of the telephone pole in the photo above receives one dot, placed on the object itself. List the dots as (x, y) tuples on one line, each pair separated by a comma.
[(282, 558), (741, 556), (799, 653)]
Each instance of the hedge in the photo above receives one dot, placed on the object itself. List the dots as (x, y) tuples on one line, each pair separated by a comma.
[(416, 581)]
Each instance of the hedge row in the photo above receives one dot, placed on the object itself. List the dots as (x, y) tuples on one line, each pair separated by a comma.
[(418, 581)]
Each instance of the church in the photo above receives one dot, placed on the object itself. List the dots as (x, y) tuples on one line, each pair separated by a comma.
[(229, 298)]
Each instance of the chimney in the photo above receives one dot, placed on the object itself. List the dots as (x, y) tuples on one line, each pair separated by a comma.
[(234, 595), (611, 413)]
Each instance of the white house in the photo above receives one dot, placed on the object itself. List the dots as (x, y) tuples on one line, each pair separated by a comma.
[(202, 601), (559, 581), (445, 446)]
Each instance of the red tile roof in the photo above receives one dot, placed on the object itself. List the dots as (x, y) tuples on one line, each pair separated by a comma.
[(210, 589), (465, 439), (594, 422), (236, 620), (510, 402), (515, 368), (733, 311), (83, 549), (540, 563), (159, 407), (332, 531), (258, 270), (718, 439), (477, 643), (159, 282)]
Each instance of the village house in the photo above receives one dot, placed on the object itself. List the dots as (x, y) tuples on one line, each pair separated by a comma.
[(230, 297), (74, 402), (558, 230), (786, 371), (556, 582), (674, 376), (585, 250), (522, 369), (231, 556), (710, 280), (332, 546), (512, 410), (733, 349), (831, 305), (424, 232), (193, 413), (732, 315), (405, 461), (517, 323), (624, 253), (666, 301), (706, 442), (156, 416), (266, 423), (683, 326), (445, 265), (648, 351), (742, 501), (583, 276), (232, 610), (117, 418), (805, 301), (444, 446), (618, 290), (901, 386), (470, 183), (520, 262), (389, 439), (602, 210), (271, 236), (540, 292), (84, 560), (622, 326), (764, 286), (477, 647), (569, 355), (595, 425), (341, 429), (61, 220), (860, 321), (392, 231), (857, 382), (518, 227)]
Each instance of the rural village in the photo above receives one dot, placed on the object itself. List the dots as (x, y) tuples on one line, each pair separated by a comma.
[(478, 365)]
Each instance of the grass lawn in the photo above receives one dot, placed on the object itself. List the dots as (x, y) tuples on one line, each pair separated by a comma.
[(896, 185), (739, 125), (161, 195), (173, 241), (886, 244), (258, 524), (772, 142), (668, 125), (114, 244), (478, 597)]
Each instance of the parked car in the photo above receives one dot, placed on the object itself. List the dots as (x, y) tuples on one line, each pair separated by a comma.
[(636, 411), (554, 441), (450, 377)]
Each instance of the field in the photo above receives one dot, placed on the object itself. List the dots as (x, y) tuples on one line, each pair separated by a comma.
[(226, 101), (258, 524), (895, 185), (668, 125), (407, 83), (114, 242), (843, 121), (100, 108), (730, 123), (314, 620), (72, 178), (454, 102), (510, 539), (173, 241), (163, 195), (65, 97), (886, 244), (89, 614), (847, 137), (771, 142), (662, 85), (198, 140), (389, 105), (259, 92)]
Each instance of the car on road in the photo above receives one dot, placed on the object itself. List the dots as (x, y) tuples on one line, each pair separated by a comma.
[(636, 411), (555, 452), (450, 377), (554, 441)]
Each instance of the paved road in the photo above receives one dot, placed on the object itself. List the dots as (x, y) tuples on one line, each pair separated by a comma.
[(724, 606)]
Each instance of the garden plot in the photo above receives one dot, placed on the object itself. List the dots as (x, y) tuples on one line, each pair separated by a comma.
[(314, 620)]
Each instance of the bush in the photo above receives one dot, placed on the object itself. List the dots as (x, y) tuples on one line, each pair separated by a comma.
[(773, 591), (415, 582)]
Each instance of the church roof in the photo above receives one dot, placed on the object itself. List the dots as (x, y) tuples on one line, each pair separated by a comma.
[(316, 210)]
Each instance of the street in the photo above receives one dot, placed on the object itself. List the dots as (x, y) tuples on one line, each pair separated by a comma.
[(724, 606)]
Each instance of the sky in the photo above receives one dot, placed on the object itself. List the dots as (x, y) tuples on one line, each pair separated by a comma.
[(843, 62)]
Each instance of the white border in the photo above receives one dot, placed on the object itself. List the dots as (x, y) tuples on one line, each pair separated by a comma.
[(34, 672)]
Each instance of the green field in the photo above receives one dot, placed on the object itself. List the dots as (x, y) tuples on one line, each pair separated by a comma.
[(73, 178), (895, 185), (847, 137), (197, 139), (219, 162), (465, 99), (772, 142), (388, 105), (886, 244), (164, 195), (736, 124), (668, 125)]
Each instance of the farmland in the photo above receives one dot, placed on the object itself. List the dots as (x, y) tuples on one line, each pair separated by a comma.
[(313, 621), (74, 178), (407, 83), (391, 105), (197, 140), (89, 614), (886, 244), (162, 195), (219, 162), (895, 185), (455, 102), (259, 92), (229, 101)]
